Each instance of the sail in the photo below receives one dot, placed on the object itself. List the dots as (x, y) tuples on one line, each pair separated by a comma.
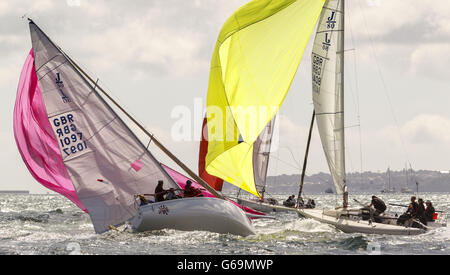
[(35, 139), (328, 88), (213, 181), (256, 57), (261, 156), (106, 162)]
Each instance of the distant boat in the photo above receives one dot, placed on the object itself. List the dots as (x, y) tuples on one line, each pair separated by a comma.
[(406, 190), (14, 192), (329, 191), (388, 190)]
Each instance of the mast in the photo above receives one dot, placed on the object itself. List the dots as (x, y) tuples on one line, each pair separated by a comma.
[(389, 171), (305, 161), (328, 90), (341, 52), (406, 175)]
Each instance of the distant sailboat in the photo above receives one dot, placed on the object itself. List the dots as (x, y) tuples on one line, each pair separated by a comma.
[(388, 189), (74, 143), (406, 189)]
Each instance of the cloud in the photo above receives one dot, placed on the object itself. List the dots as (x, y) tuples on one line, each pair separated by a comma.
[(401, 34), (424, 129), (143, 47), (401, 20), (169, 37), (4, 7), (431, 60), (427, 129)]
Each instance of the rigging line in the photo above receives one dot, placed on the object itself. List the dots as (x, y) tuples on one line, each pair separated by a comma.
[(385, 89), (276, 166), (285, 162), (292, 154), (116, 98), (358, 101)]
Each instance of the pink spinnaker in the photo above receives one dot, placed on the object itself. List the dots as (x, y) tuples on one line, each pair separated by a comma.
[(35, 139)]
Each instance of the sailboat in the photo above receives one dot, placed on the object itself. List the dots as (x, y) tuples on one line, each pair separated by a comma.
[(406, 189), (328, 97), (74, 143), (388, 189), (257, 54)]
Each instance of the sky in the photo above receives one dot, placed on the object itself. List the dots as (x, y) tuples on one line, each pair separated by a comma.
[(154, 57)]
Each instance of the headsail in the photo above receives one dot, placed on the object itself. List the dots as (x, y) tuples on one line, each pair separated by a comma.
[(256, 57), (106, 162), (328, 88), (35, 139)]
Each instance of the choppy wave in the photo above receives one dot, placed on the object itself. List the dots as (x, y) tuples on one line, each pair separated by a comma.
[(50, 224)]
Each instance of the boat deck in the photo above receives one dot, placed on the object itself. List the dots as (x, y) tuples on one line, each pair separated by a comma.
[(355, 224)]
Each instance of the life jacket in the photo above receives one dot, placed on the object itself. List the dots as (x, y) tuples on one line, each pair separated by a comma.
[(191, 192)]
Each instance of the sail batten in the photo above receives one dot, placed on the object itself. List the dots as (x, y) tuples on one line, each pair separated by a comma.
[(328, 88)]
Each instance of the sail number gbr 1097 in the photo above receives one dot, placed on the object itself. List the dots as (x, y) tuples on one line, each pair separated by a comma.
[(69, 138)]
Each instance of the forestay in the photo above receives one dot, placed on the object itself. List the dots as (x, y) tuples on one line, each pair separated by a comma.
[(328, 88), (106, 162)]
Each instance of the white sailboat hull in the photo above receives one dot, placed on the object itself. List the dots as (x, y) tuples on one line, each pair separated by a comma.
[(349, 225), (193, 214), (264, 207)]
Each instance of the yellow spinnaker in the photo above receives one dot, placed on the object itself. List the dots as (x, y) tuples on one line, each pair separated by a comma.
[(255, 60)]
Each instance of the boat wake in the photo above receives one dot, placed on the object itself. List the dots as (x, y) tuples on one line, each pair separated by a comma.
[(311, 226)]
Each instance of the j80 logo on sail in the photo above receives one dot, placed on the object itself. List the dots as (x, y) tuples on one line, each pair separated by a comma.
[(60, 85)]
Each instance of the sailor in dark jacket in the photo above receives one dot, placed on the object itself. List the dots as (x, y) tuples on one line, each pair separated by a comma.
[(420, 213), (408, 217), (412, 209), (429, 212), (378, 204)]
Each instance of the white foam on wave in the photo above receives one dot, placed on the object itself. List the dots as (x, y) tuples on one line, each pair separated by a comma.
[(296, 224), (311, 226)]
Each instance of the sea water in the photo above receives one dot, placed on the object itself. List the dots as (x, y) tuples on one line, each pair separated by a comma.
[(50, 224)]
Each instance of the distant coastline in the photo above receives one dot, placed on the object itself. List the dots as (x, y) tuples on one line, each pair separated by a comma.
[(367, 182), (14, 192)]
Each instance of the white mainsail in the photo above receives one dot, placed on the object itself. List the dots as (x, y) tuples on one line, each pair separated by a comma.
[(107, 163), (328, 88)]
